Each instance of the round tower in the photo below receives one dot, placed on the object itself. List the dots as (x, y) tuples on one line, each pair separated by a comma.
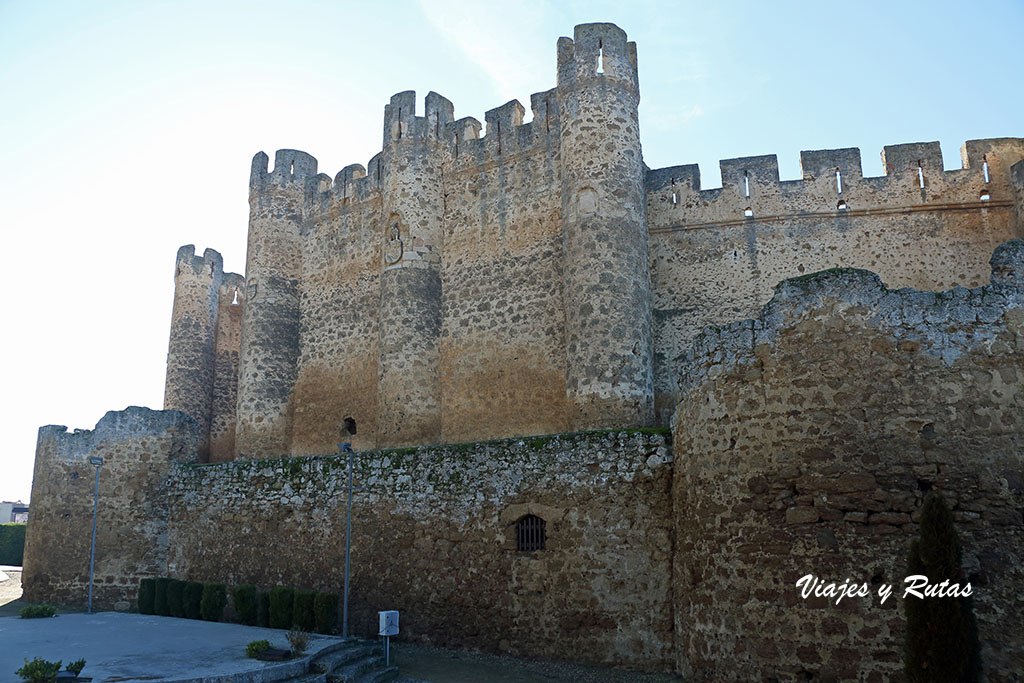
[(270, 322), (607, 277), (408, 393), (191, 351)]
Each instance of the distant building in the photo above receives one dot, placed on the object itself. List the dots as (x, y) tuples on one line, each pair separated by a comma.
[(13, 512)]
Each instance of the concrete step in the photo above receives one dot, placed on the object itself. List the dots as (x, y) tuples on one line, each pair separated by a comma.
[(357, 671)]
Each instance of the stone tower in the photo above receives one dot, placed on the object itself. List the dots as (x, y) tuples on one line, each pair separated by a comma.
[(270, 326), (409, 398), (607, 280), (191, 352)]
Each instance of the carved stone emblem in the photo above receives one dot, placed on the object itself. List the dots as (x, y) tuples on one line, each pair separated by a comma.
[(393, 249)]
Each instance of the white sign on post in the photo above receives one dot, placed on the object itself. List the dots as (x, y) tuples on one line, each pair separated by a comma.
[(388, 623)]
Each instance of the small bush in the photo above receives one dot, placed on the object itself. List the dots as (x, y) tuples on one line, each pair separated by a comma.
[(263, 613), (193, 600), (39, 671), (326, 608), (76, 666), (147, 596), (281, 599), (160, 601), (12, 544), (256, 648), (37, 612), (215, 598), (303, 616), (243, 597), (299, 640), (176, 597)]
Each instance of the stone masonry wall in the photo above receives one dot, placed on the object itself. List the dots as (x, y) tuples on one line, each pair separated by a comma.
[(138, 446), (917, 226), (433, 537), (805, 441)]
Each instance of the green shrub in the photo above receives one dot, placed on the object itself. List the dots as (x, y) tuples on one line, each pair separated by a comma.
[(193, 600), (263, 614), (326, 608), (281, 607), (243, 597), (37, 611), (12, 544), (941, 640), (303, 616), (76, 666), (215, 598), (160, 599), (39, 671), (256, 648), (147, 596), (176, 597)]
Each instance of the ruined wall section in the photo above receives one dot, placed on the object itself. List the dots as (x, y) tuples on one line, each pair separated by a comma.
[(806, 440), (338, 364), (607, 277), (711, 264), (502, 332), (138, 446), (270, 327), (227, 346), (434, 537)]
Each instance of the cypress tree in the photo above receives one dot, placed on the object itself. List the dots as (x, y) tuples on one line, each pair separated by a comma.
[(942, 635)]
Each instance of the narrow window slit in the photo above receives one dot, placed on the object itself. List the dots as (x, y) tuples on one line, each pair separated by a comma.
[(920, 174), (600, 57), (839, 182), (291, 169), (746, 184), (497, 133), (984, 168), (399, 123), (675, 197)]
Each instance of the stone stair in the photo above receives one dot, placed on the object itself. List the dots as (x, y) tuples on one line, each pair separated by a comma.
[(353, 661)]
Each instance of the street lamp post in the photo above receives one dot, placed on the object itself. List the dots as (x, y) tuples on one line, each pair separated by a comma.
[(97, 462), (349, 430)]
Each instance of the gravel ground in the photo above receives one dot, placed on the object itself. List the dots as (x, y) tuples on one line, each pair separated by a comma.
[(424, 664)]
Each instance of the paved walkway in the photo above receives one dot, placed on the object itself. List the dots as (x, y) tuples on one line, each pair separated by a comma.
[(121, 647)]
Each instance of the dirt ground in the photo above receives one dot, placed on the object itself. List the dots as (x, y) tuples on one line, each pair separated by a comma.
[(10, 593), (421, 664)]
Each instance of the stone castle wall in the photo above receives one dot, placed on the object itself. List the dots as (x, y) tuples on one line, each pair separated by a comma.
[(539, 278), (138, 446), (805, 441)]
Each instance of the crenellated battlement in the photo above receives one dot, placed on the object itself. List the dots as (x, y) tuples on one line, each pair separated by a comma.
[(210, 264), (291, 167), (597, 52), (833, 182)]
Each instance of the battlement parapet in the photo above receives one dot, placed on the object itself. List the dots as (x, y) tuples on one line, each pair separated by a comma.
[(401, 122), (210, 264), (597, 51), (833, 182), (291, 168)]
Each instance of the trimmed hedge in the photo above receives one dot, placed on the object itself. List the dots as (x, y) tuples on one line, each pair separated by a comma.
[(303, 616), (215, 598), (281, 599), (263, 612), (12, 544), (193, 599), (326, 609), (147, 596), (176, 597), (246, 603), (160, 602)]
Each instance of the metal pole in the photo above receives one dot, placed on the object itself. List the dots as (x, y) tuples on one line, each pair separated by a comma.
[(92, 547), (347, 448)]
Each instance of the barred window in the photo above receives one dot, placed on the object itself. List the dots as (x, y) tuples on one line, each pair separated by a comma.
[(530, 533)]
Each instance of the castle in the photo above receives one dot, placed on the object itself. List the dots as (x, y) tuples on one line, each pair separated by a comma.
[(464, 294)]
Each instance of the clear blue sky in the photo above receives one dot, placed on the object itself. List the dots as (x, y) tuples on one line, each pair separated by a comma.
[(127, 129)]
